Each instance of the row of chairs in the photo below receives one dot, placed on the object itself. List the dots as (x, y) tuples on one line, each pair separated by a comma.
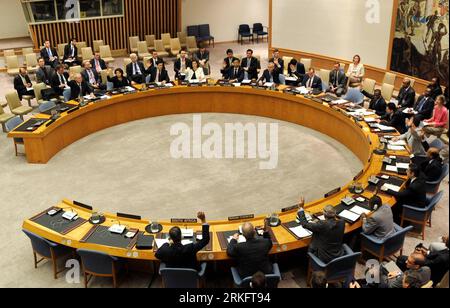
[(201, 33), (165, 47), (257, 31)]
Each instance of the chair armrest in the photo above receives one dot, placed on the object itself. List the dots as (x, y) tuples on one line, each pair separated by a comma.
[(348, 250), (161, 267), (373, 239), (316, 260), (417, 209), (202, 271), (236, 278), (276, 270)]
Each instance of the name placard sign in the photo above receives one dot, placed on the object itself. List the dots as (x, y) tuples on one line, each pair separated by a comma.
[(183, 220), (288, 209), (241, 217), (333, 192)]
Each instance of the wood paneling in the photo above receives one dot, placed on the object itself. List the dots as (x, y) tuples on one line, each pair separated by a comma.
[(141, 17)]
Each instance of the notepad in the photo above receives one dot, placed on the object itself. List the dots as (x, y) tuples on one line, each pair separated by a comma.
[(301, 232), (402, 166), (391, 168), (302, 90), (241, 239), (187, 232), (349, 215), (160, 242), (396, 147), (370, 120), (391, 187), (359, 210), (398, 142)]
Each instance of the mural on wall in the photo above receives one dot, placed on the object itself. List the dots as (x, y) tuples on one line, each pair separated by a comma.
[(421, 42)]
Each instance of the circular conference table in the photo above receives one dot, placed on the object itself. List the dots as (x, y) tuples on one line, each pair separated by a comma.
[(45, 142)]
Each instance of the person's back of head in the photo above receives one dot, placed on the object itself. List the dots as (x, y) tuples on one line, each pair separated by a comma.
[(329, 212), (258, 281), (375, 202), (175, 235), (411, 280), (319, 280), (248, 231)]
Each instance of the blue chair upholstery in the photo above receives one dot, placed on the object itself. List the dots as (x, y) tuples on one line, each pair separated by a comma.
[(433, 187), (355, 96), (193, 31), (282, 79), (243, 32), (67, 93), (183, 278), (258, 30), (205, 34), (46, 106), (11, 125), (437, 143), (272, 280), (48, 250), (99, 264), (339, 269), (386, 247), (421, 216)]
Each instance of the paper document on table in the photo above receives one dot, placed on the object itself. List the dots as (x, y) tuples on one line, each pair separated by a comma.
[(194, 81), (130, 89), (359, 210), (398, 142), (340, 102), (402, 166), (30, 89), (392, 187), (187, 232), (349, 215), (302, 90), (291, 78), (385, 128), (301, 232), (391, 168), (160, 242), (246, 81), (370, 120), (236, 84), (240, 240), (186, 242), (368, 113), (396, 147)]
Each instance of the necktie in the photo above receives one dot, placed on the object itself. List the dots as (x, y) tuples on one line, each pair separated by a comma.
[(422, 103), (336, 79), (136, 69), (91, 77), (61, 79), (194, 77), (310, 82), (97, 66), (81, 90), (235, 73), (158, 76), (49, 51)]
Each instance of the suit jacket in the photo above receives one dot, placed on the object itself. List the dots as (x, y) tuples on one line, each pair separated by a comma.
[(414, 193), (44, 75), (432, 169), (230, 74), (395, 120), (76, 92), (183, 256), (317, 82), (20, 87), (252, 256), (438, 262), (281, 63), (118, 83), (414, 142), (427, 108), (163, 76), (436, 91), (96, 76), (300, 69), (340, 81), (266, 76), (44, 54), (199, 56), (199, 74), (327, 239), (380, 224), (130, 70), (102, 62), (406, 97), (177, 65), (224, 71), (157, 60), (253, 69), (378, 105), (56, 83), (67, 52)]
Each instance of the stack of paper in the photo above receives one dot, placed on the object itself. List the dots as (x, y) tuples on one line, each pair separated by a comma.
[(236, 84), (302, 90), (291, 78), (402, 166), (359, 210), (301, 232), (268, 84), (240, 240), (349, 215), (370, 120), (398, 142), (391, 168), (385, 128), (391, 187), (341, 102)]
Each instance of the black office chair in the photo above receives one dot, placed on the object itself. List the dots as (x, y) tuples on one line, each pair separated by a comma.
[(258, 30), (193, 31), (244, 31), (205, 35)]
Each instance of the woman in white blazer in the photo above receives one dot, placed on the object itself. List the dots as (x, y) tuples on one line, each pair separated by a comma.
[(196, 73), (356, 70)]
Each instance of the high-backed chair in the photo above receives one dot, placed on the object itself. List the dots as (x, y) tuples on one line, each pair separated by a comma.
[(105, 53), (205, 34), (387, 247), (325, 76), (182, 37), (126, 61), (433, 186), (98, 264), (191, 44), (368, 85), (37, 88), (86, 53), (355, 96), (181, 278), (77, 69), (16, 106), (150, 39), (389, 78), (10, 125), (48, 250), (12, 64), (307, 63), (159, 47), (193, 31), (387, 90), (142, 50), (4, 117), (133, 43), (9, 53), (61, 50), (27, 51), (421, 216), (96, 45), (80, 45), (46, 106), (272, 280), (175, 46), (165, 37), (244, 31), (339, 269), (32, 64), (259, 31), (286, 60)]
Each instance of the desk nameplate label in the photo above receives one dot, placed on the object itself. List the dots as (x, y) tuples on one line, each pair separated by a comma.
[(241, 217)]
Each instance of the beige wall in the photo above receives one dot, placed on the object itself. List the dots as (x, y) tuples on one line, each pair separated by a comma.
[(12, 20), (336, 28), (224, 16)]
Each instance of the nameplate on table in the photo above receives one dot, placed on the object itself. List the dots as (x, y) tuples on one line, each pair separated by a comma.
[(333, 192), (358, 175), (183, 220), (288, 209), (85, 206), (129, 216), (241, 217)]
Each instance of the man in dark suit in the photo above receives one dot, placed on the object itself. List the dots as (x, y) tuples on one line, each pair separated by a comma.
[(91, 76), (50, 55), (337, 80), (432, 166), (328, 235), (437, 261), (154, 60), (424, 105), (250, 66), (158, 73), (227, 63), (235, 73), (311, 80), (295, 70), (377, 102), (60, 80), (181, 65), (177, 255), (252, 255), (22, 83), (202, 56), (79, 87), (271, 74), (393, 118), (44, 73), (98, 64), (71, 53), (279, 62), (406, 95), (135, 70)]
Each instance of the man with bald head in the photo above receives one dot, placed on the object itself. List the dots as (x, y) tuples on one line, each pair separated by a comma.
[(432, 166), (79, 87), (252, 255), (415, 262), (328, 235), (135, 70), (407, 95), (270, 74)]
